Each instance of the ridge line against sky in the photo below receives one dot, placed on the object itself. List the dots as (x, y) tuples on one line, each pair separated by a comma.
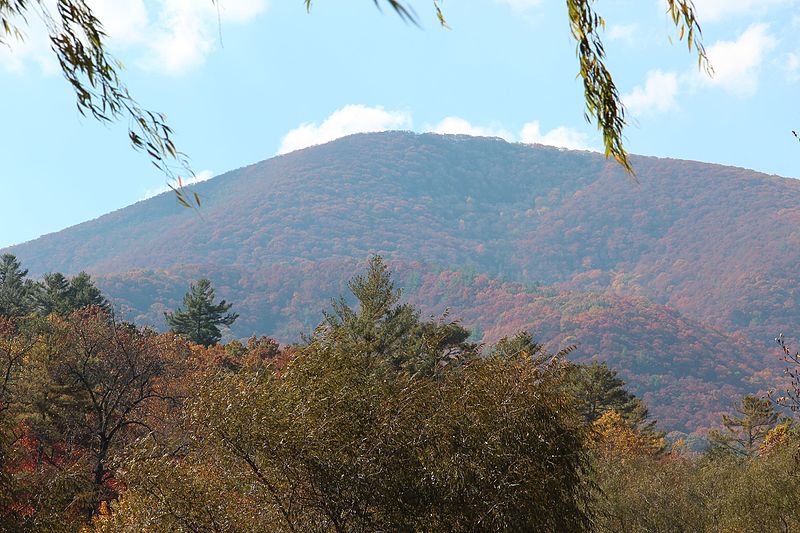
[(258, 78)]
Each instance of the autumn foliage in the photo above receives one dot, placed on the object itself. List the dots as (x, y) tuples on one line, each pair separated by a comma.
[(380, 420)]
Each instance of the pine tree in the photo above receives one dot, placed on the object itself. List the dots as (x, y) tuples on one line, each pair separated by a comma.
[(84, 292), (393, 331), (52, 295), (599, 389), (15, 288), (745, 430), (201, 319), (56, 294)]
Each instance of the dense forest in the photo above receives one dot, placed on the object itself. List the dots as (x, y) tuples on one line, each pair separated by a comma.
[(715, 243), (689, 371), (378, 420), (681, 281)]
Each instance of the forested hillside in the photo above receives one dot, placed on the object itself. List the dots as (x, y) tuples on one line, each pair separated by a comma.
[(688, 371), (714, 242), (680, 279)]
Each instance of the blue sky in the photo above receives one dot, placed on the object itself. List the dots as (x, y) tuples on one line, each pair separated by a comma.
[(263, 77)]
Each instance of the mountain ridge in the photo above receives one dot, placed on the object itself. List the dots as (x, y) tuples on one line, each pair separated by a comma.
[(716, 245)]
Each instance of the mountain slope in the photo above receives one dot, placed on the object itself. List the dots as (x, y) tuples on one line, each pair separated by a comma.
[(695, 266), (716, 243)]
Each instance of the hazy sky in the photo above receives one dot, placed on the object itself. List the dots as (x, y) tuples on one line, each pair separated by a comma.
[(263, 77)]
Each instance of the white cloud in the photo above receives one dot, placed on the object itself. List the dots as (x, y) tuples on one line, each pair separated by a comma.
[(459, 126), (737, 63), (169, 36), (361, 119), (716, 10), (561, 137), (623, 32), (201, 176), (656, 96), (34, 47), (531, 133), (123, 20), (183, 32), (345, 121), (736, 68), (183, 38)]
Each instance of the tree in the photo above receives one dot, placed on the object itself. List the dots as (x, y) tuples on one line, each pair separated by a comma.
[(201, 319), (391, 330), (620, 420), (15, 289), (17, 340), (78, 40), (85, 391), (345, 439), (83, 292), (56, 294), (597, 389), (746, 429), (53, 295)]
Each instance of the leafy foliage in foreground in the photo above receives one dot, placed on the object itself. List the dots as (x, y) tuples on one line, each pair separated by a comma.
[(342, 441), (379, 421)]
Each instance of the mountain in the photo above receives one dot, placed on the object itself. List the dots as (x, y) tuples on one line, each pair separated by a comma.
[(680, 278)]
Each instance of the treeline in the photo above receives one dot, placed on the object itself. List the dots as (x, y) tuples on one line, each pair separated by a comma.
[(54, 294), (378, 421), (686, 369)]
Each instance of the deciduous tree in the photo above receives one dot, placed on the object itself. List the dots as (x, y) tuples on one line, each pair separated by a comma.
[(84, 393)]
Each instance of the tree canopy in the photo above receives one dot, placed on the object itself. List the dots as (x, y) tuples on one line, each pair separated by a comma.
[(106, 426), (54, 294), (745, 429)]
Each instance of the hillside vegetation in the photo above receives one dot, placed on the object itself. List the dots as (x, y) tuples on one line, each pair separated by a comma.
[(381, 420), (681, 280)]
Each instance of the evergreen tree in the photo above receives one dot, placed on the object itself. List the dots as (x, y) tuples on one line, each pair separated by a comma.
[(56, 294), (745, 430), (15, 289), (52, 295), (84, 292), (520, 345), (201, 319), (384, 327), (598, 389)]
